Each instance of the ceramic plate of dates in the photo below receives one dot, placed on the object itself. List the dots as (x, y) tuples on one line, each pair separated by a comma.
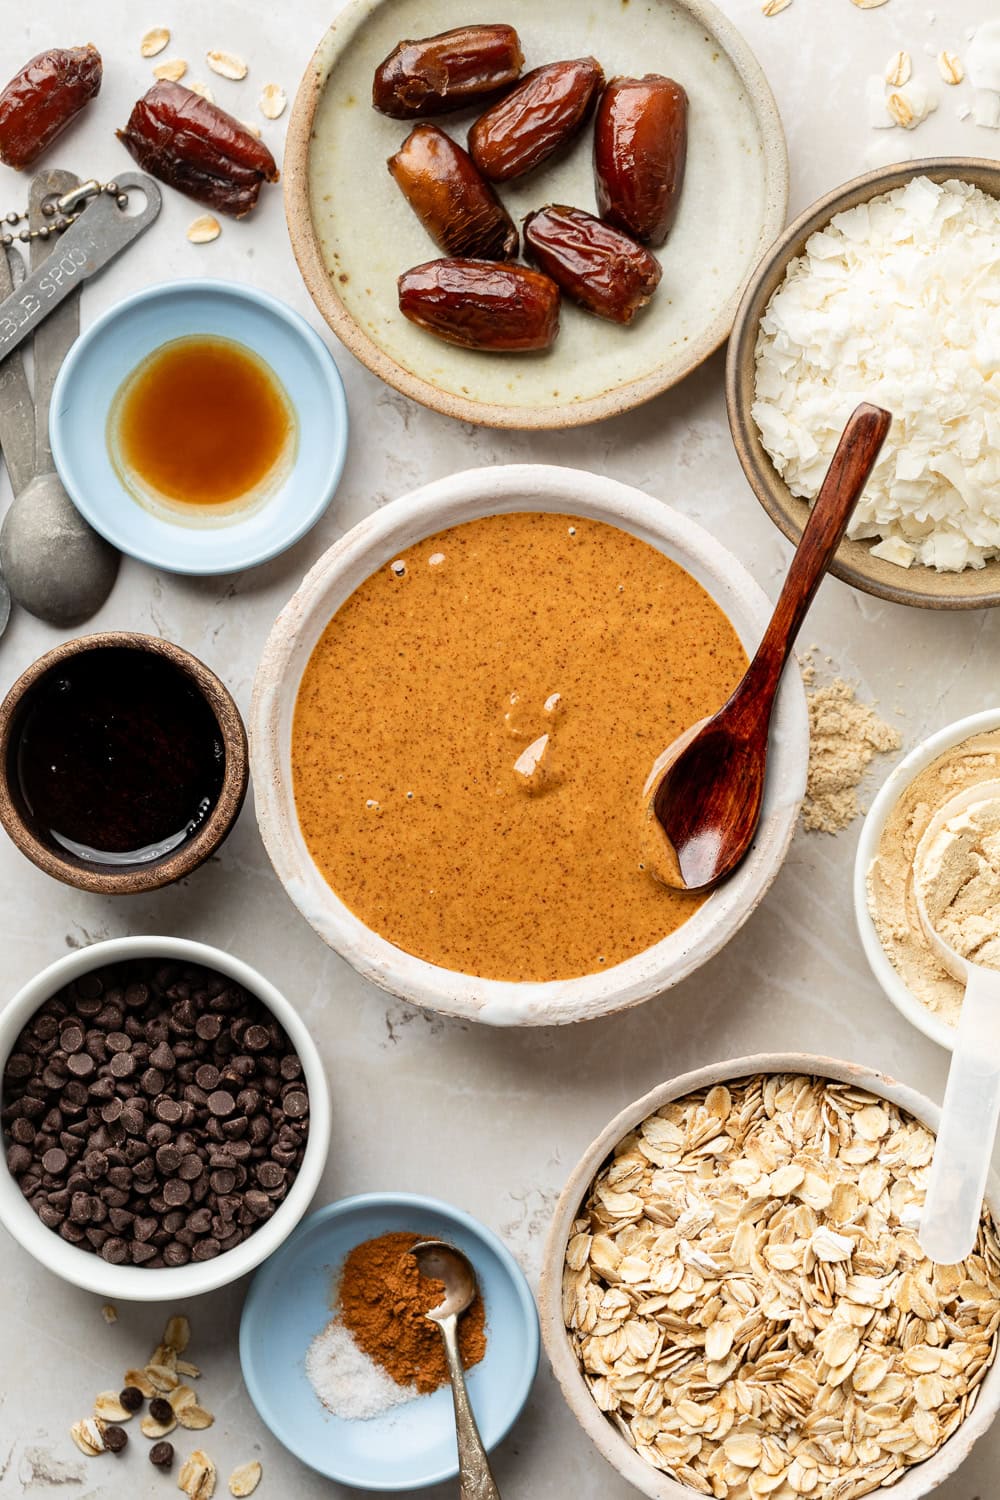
[(353, 232)]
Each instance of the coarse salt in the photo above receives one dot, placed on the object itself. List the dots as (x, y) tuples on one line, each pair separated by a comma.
[(896, 301), (347, 1381)]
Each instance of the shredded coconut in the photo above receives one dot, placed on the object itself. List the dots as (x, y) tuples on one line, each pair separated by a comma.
[(346, 1381), (844, 736), (896, 301)]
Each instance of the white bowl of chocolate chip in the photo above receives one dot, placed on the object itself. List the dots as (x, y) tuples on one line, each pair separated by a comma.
[(165, 1116)]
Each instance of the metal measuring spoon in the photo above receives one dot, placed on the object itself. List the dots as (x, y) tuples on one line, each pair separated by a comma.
[(966, 1136), (55, 564), (443, 1262)]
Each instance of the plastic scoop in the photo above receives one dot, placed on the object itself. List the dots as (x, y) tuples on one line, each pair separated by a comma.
[(953, 1206)]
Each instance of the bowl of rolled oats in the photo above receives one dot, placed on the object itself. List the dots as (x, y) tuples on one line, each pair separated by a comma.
[(735, 1302)]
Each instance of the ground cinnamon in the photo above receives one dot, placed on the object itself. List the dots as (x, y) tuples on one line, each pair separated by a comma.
[(383, 1299)]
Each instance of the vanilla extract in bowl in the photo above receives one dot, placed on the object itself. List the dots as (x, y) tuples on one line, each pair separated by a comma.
[(202, 430), (119, 758)]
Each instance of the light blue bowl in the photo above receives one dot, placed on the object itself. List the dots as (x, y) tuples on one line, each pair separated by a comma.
[(110, 350), (409, 1446)]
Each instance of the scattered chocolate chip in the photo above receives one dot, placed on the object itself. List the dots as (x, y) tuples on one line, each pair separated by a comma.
[(161, 1411), (115, 1438), (131, 1398), (162, 1455)]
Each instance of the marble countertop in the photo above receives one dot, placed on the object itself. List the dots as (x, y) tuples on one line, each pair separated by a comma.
[(502, 1115)]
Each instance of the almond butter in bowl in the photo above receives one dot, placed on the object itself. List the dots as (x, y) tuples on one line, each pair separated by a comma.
[(745, 1298)]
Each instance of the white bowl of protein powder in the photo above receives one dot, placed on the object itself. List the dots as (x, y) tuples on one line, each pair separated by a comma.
[(951, 761)]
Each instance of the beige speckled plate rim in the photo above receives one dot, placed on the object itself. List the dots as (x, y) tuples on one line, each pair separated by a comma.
[(975, 588), (918, 1481), (610, 403)]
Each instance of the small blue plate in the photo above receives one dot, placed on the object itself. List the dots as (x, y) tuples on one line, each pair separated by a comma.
[(121, 339), (289, 1301)]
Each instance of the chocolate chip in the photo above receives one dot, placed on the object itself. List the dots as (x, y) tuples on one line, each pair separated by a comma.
[(115, 1438), (168, 1110), (207, 1028), (152, 1082), (190, 1167), (55, 1161), (114, 1251), (72, 1037), (162, 1058), (122, 1065), (270, 1175), (131, 1398), (221, 1103), (176, 1192), (296, 1105), (207, 1077), (119, 1041), (161, 1411), (176, 1254), (162, 1455), (206, 1249)]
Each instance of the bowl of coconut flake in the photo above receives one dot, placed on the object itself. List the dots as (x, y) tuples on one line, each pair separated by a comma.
[(884, 290)]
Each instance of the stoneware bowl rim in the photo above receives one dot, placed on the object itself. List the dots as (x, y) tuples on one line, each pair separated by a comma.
[(138, 878), (611, 403), (975, 588), (892, 789), (388, 1202), (137, 1283), (447, 502), (917, 1481)]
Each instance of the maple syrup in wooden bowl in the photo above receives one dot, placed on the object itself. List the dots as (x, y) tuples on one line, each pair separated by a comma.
[(123, 763)]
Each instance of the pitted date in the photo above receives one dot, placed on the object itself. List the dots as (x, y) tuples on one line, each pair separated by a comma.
[(460, 211), (197, 148), (599, 266), (452, 70), (481, 304), (542, 113), (42, 99), (640, 151)]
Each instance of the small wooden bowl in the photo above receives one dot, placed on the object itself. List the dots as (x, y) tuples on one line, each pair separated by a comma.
[(123, 880), (975, 588)]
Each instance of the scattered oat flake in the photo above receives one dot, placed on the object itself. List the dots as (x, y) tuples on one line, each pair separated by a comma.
[(204, 229), (898, 69), (141, 1381), (154, 41), (109, 1312), (172, 70), (155, 1430), (868, 4), (88, 1435), (108, 1407), (227, 65), (273, 100), (950, 67), (203, 89), (197, 1476), (177, 1334), (194, 1417), (245, 1479), (775, 7)]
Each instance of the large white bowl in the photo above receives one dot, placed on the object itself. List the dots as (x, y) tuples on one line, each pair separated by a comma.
[(139, 1283), (372, 544), (916, 1482), (909, 768)]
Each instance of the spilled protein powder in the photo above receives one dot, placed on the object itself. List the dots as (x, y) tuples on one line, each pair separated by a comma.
[(844, 737), (891, 899)]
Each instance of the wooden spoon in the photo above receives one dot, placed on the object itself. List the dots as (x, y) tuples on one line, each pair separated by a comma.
[(704, 795)]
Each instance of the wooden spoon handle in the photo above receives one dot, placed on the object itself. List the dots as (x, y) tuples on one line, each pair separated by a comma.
[(852, 463)]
